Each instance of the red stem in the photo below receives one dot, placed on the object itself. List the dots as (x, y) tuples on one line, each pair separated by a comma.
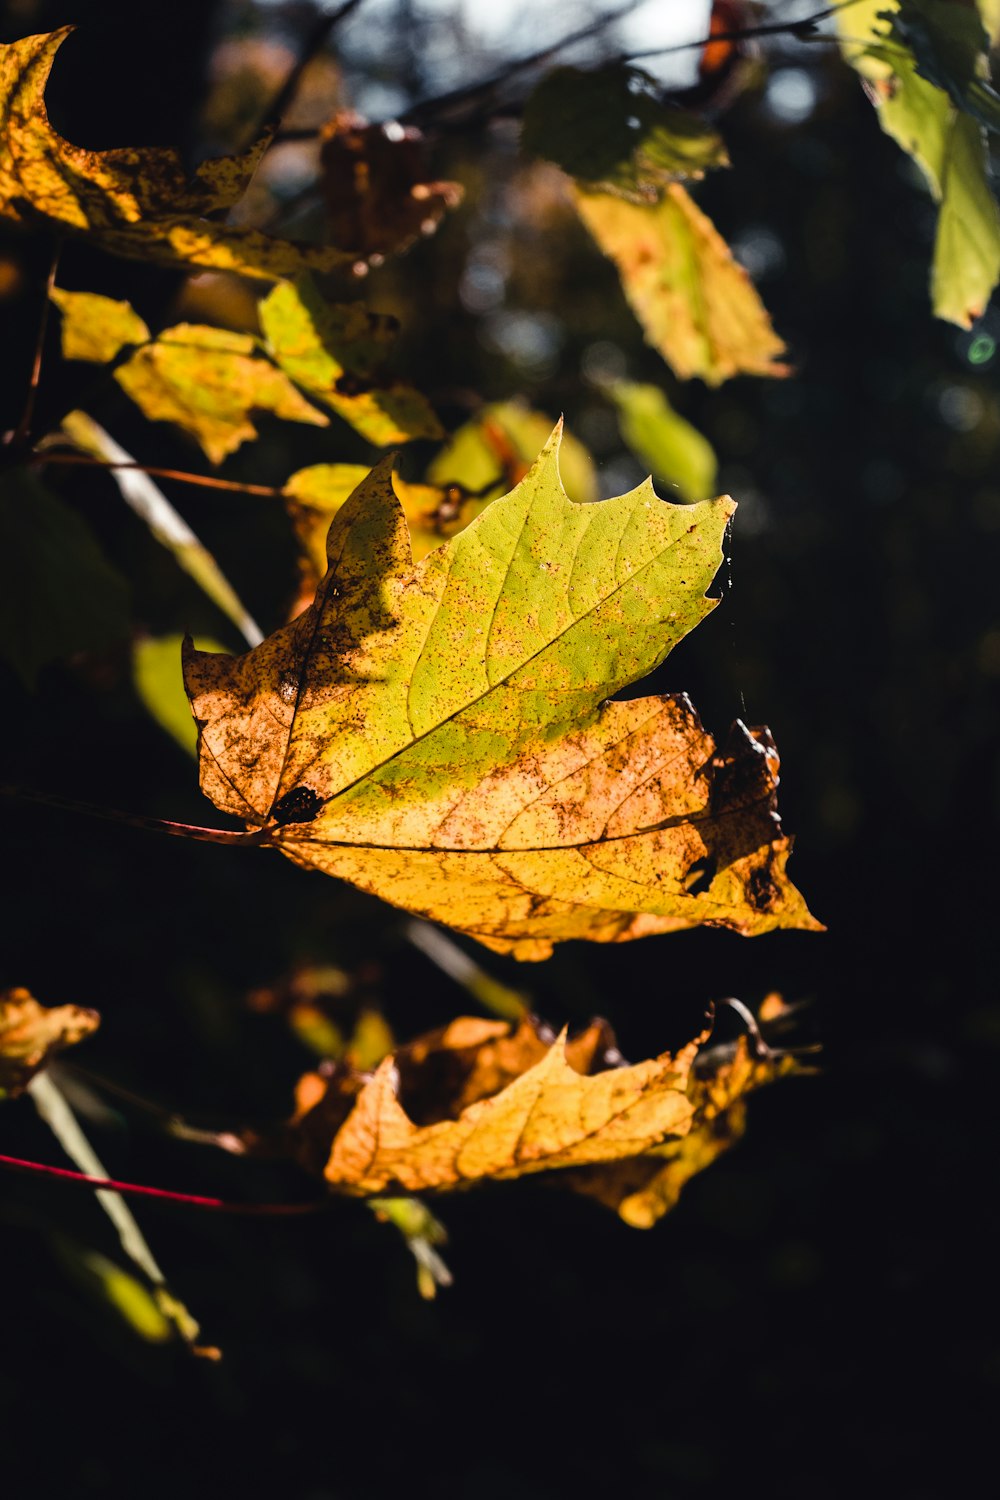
[(193, 1200)]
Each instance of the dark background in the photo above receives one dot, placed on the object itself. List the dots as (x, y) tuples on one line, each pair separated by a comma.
[(818, 1310)]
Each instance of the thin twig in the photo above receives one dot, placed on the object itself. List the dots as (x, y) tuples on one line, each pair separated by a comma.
[(192, 1200), (797, 29), (204, 480), (27, 416), (322, 28)]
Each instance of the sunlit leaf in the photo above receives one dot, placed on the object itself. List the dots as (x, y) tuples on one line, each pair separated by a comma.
[(491, 453), (337, 352), (31, 1033), (663, 440), (159, 682), (480, 1101), (58, 593), (607, 128), (696, 304), (949, 147), (316, 494), (442, 735), (207, 381), (134, 201)]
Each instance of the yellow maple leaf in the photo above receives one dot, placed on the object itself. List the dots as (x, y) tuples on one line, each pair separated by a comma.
[(441, 735), (502, 1103), (30, 1033), (696, 304), (133, 201)]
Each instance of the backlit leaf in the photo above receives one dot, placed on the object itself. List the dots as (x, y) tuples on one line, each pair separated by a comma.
[(663, 441), (949, 147), (606, 128), (337, 352), (30, 1033), (137, 202), (696, 304), (441, 734), (159, 682), (316, 494), (481, 1101), (490, 454), (207, 381)]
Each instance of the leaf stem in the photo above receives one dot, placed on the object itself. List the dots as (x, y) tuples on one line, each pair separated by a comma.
[(241, 838), (191, 1200), (235, 486)]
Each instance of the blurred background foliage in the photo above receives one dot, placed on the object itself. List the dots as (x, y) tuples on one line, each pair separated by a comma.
[(790, 1323)]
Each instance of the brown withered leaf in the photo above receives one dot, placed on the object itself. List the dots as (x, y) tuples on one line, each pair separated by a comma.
[(30, 1033), (443, 735), (136, 202), (644, 1188), (482, 1101), (375, 183)]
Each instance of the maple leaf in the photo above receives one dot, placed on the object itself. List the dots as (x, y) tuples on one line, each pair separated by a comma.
[(696, 304), (30, 1033), (205, 380), (440, 735), (490, 1102), (376, 187), (136, 202)]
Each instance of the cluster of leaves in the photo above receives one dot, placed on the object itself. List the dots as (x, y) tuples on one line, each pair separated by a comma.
[(437, 720)]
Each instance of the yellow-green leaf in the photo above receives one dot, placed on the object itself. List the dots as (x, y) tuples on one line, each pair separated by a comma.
[(207, 381), (663, 440), (97, 328), (337, 352), (949, 147), (159, 682), (490, 454), (696, 304), (134, 201), (30, 1033), (316, 494), (442, 735)]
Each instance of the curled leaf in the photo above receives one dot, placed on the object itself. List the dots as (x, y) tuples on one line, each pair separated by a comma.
[(442, 736), (31, 1033), (481, 1100), (697, 305), (134, 201)]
